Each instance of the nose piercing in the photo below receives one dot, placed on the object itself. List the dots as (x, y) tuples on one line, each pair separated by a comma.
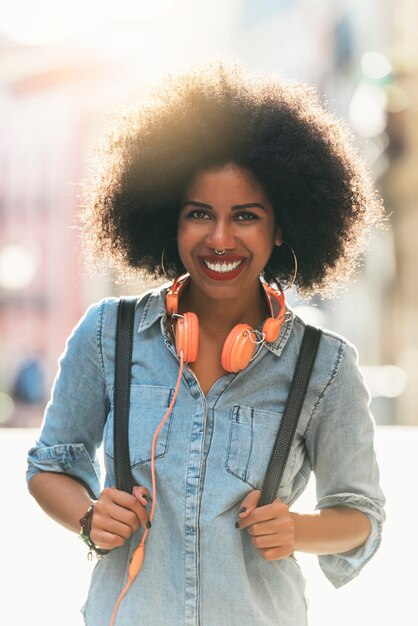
[(220, 252)]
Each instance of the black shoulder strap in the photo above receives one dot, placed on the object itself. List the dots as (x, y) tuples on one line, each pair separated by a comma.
[(121, 394), (290, 418), (288, 424)]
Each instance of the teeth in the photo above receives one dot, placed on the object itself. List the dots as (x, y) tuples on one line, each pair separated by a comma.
[(222, 268)]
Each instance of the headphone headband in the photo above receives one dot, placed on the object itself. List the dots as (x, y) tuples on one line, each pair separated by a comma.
[(239, 346), (172, 297)]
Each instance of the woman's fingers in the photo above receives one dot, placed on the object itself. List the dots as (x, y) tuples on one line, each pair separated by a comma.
[(117, 515), (142, 494), (106, 540), (249, 504), (282, 537), (270, 527), (262, 514), (274, 554), (129, 502)]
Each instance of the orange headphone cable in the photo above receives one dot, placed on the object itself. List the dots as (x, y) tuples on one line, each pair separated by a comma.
[(137, 557)]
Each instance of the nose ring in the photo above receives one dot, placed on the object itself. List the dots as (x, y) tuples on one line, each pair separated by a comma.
[(220, 252)]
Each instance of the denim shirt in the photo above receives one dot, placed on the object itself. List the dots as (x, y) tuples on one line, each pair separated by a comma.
[(199, 570)]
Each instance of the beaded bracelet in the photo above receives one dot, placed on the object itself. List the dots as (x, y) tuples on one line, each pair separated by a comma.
[(85, 529)]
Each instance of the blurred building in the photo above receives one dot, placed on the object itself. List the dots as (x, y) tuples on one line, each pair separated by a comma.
[(48, 100), (362, 56), (400, 185)]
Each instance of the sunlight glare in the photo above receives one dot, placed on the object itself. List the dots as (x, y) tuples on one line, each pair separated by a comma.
[(375, 65), (43, 22), (46, 21), (128, 9), (18, 265), (367, 110)]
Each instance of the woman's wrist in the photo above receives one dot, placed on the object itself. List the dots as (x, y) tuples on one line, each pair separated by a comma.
[(85, 530)]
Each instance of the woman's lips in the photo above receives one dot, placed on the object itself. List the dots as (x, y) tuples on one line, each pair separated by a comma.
[(222, 268)]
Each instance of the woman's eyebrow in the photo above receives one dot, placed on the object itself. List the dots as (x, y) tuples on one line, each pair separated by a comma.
[(236, 207), (200, 205), (249, 205)]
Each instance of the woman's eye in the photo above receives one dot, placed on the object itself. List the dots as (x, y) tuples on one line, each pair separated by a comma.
[(197, 214), (246, 217)]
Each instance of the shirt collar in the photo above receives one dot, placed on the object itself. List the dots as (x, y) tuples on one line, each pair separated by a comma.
[(154, 309), (153, 306)]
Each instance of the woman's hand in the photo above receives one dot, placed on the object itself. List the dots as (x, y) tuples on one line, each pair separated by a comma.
[(117, 515), (271, 527)]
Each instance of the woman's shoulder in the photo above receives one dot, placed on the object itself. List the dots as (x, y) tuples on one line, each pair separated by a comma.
[(336, 352), (95, 333), (103, 313)]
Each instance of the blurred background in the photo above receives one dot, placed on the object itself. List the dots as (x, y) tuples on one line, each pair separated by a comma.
[(64, 70)]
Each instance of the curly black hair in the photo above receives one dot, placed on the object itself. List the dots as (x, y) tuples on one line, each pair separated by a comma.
[(302, 156)]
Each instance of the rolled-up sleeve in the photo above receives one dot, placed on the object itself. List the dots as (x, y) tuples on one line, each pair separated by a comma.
[(74, 419), (340, 445)]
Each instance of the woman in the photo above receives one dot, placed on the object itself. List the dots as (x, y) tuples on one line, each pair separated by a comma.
[(227, 179)]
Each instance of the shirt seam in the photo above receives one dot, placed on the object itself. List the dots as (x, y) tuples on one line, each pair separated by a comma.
[(99, 335), (329, 383), (143, 323)]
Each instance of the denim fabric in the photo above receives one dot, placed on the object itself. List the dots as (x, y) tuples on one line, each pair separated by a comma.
[(198, 569)]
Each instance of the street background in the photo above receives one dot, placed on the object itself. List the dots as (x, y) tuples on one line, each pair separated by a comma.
[(65, 71)]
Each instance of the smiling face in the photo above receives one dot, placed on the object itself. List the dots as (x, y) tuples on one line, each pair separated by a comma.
[(226, 209)]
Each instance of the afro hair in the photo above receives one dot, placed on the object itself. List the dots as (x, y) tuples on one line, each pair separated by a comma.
[(302, 155)]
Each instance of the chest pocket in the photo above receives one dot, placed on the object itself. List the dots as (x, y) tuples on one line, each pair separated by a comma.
[(251, 440), (148, 405)]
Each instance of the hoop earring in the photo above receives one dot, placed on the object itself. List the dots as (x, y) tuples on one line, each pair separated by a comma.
[(180, 269), (295, 261)]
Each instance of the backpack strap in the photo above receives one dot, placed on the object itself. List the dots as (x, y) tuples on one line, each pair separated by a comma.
[(121, 399), (121, 393), (290, 418)]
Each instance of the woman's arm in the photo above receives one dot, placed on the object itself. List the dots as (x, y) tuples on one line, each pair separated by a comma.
[(116, 514), (277, 532), (63, 498), (330, 531)]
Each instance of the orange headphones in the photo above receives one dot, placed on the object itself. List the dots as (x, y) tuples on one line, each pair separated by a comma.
[(241, 343)]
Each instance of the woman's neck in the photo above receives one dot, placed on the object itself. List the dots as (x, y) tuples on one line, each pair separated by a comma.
[(220, 316)]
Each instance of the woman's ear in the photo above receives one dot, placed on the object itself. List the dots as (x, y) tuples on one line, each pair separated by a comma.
[(278, 239)]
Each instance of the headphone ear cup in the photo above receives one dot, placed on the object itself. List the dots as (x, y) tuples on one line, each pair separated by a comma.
[(271, 328), (238, 348), (187, 337)]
